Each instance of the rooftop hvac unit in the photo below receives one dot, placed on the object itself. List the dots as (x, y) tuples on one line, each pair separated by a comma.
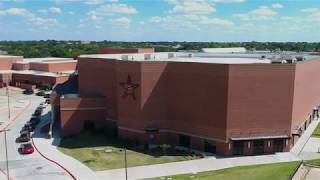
[(147, 57), (127, 57), (171, 55)]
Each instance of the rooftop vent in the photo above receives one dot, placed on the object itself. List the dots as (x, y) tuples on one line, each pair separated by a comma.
[(127, 57)]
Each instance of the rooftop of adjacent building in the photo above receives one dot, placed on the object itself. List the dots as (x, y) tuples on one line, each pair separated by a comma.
[(38, 73), (235, 56), (47, 60)]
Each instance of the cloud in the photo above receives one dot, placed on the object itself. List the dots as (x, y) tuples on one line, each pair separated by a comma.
[(277, 6), (111, 9), (89, 2), (310, 10), (190, 21), (314, 13), (228, 1), (192, 7), (263, 12), (122, 21), (55, 10), (30, 17)]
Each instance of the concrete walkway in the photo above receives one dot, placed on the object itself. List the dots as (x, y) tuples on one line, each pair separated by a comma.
[(168, 169), (48, 147)]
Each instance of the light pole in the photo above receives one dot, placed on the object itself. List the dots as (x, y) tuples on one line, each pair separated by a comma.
[(125, 162), (6, 147), (9, 114)]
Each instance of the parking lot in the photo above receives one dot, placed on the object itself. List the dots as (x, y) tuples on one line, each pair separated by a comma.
[(31, 166)]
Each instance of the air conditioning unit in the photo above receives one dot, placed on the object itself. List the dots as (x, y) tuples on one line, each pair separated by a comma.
[(147, 57)]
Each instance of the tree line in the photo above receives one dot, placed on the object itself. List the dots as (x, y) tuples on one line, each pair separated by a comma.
[(72, 49)]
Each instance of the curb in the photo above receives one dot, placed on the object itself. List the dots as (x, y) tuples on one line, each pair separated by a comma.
[(10, 122), (47, 158)]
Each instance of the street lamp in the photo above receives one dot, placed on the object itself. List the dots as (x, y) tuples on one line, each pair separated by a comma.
[(9, 113), (125, 162), (5, 144)]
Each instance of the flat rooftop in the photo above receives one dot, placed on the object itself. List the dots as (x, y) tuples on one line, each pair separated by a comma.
[(38, 73), (204, 57), (48, 60)]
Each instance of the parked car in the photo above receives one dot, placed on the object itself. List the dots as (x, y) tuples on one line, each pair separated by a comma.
[(28, 127), (47, 95), (40, 93), (38, 112), (25, 137), (35, 120), (26, 148), (28, 92), (48, 101)]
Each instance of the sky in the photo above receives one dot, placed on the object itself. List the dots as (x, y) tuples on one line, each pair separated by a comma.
[(161, 20)]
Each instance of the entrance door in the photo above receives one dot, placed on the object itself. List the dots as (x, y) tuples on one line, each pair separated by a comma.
[(209, 147), (278, 145), (258, 147), (238, 147), (184, 141)]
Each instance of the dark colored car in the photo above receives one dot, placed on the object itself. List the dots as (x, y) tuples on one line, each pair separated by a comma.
[(26, 148), (28, 92), (25, 137), (28, 127), (35, 120), (38, 112), (47, 95), (40, 93)]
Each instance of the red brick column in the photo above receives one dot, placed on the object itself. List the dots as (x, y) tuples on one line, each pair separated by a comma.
[(248, 148)]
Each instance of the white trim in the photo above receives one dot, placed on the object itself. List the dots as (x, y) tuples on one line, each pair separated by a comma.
[(80, 109)]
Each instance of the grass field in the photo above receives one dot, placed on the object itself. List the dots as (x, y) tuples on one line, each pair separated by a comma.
[(278, 171), (99, 153), (316, 132)]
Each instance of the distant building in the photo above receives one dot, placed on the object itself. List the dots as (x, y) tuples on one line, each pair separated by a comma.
[(29, 73), (224, 50), (125, 50), (228, 103)]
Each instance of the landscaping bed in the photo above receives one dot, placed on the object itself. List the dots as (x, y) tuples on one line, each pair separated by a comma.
[(99, 152)]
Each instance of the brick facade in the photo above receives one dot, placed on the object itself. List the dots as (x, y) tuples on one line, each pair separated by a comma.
[(207, 104)]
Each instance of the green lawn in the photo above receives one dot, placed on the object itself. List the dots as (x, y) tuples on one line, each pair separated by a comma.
[(91, 151), (278, 171), (315, 162), (316, 132)]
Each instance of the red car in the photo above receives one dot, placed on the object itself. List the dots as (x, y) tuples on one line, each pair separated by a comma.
[(25, 137), (26, 148)]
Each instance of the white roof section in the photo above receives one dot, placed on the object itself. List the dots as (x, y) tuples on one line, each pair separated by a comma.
[(47, 60), (8, 56), (181, 57), (38, 73), (224, 50)]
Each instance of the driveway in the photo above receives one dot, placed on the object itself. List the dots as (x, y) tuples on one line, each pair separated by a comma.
[(24, 167)]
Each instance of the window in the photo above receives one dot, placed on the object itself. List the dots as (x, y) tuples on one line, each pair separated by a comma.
[(238, 147), (209, 147), (258, 147), (184, 141), (278, 145)]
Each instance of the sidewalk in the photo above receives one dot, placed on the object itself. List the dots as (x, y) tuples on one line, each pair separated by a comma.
[(48, 147)]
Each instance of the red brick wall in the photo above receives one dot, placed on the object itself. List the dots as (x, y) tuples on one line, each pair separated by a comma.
[(260, 99), (20, 66), (307, 89), (53, 67), (6, 63), (98, 77), (75, 111), (5, 78)]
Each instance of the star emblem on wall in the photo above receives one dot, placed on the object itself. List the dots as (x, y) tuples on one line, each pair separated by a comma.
[(129, 88)]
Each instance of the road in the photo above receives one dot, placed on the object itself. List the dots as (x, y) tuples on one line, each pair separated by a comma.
[(31, 166)]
